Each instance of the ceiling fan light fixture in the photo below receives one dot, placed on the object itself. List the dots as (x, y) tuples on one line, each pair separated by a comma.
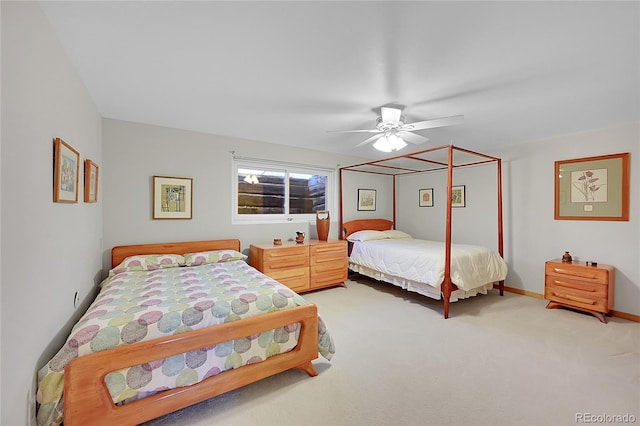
[(389, 143)]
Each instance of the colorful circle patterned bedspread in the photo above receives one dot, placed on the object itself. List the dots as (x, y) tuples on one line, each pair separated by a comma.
[(134, 306)]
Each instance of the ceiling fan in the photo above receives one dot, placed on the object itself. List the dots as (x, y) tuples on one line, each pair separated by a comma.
[(393, 132)]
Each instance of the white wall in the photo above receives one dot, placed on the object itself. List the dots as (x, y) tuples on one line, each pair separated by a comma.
[(49, 250), (531, 235), (133, 153)]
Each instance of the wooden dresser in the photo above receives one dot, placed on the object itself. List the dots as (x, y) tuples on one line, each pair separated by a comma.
[(578, 286), (302, 267)]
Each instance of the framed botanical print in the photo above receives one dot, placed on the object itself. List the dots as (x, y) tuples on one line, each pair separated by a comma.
[(66, 165), (458, 196), (592, 188)]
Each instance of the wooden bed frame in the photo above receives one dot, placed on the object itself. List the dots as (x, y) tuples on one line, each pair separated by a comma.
[(423, 164), (87, 399)]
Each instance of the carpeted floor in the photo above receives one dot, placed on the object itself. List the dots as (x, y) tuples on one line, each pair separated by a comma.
[(496, 361)]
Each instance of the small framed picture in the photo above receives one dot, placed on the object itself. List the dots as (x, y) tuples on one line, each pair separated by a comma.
[(425, 197), (172, 197), (366, 199), (458, 196), (66, 162), (90, 182)]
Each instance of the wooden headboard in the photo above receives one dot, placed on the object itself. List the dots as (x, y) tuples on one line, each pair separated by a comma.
[(119, 253), (352, 226)]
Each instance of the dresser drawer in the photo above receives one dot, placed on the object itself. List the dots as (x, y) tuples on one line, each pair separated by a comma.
[(297, 279), (328, 253), (577, 272), (328, 277), (285, 258)]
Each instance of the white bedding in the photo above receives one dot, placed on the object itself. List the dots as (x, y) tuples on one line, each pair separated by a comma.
[(473, 268)]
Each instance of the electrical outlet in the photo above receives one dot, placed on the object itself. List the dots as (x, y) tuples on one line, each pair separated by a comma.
[(76, 300)]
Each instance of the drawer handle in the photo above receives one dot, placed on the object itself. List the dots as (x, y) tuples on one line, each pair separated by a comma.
[(574, 273), (576, 287), (574, 298)]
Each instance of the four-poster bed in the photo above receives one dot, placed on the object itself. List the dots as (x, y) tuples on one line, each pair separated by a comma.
[(420, 162)]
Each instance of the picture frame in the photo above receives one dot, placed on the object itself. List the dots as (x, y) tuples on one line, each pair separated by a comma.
[(458, 196), (425, 197), (90, 182), (592, 188), (172, 197), (366, 199), (66, 167)]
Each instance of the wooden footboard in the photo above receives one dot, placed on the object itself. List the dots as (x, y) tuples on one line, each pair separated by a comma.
[(87, 399)]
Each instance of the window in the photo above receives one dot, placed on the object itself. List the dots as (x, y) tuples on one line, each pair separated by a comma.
[(266, 191)]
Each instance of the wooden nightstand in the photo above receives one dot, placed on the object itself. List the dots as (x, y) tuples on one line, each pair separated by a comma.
[(576, 285), (302, 267)]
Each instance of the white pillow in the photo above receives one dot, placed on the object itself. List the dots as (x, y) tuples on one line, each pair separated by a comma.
[(393, 233), (367, 236)]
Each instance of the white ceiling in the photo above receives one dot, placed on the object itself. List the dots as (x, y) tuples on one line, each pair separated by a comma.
[(288, 72)]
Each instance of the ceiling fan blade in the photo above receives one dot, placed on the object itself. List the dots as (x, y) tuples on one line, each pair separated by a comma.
[(438, 122), (412, 138), (390, 115), (355, 131), (371, 139)]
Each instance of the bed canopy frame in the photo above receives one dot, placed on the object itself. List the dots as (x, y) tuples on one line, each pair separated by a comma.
[(421, 162)]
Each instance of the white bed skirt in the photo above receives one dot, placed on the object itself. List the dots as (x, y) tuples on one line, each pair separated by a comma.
[(418, 287)]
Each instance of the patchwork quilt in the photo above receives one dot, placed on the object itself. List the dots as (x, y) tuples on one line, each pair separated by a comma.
[(136, 305)]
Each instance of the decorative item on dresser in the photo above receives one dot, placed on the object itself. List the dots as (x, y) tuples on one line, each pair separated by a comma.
[(322, 224), (585, 286), (302, 266)]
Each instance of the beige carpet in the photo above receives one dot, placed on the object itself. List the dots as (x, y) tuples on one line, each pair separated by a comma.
[(496, 361)]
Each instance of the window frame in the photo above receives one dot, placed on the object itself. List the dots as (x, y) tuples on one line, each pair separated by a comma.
[(288, 169)]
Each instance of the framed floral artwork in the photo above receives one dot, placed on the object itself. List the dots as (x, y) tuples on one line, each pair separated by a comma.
[(66, 166), (458, 196), (425, 197), (90, 182), (592, 188)]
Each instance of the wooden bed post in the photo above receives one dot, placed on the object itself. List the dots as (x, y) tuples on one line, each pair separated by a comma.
[(446, 284), (340, 218), (394, 202), (500, 234)]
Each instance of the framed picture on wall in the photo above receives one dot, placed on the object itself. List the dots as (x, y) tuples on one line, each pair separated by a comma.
[(366, 199), (458, 196), (425, 197), (592, 188), (172, 197), (66, 166), (90, 182)]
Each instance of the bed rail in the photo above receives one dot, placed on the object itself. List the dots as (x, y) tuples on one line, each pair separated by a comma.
[(87, 399)]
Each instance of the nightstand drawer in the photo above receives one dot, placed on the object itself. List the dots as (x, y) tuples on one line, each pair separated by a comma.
[(584, 288), (578, 272), (574, 298)]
